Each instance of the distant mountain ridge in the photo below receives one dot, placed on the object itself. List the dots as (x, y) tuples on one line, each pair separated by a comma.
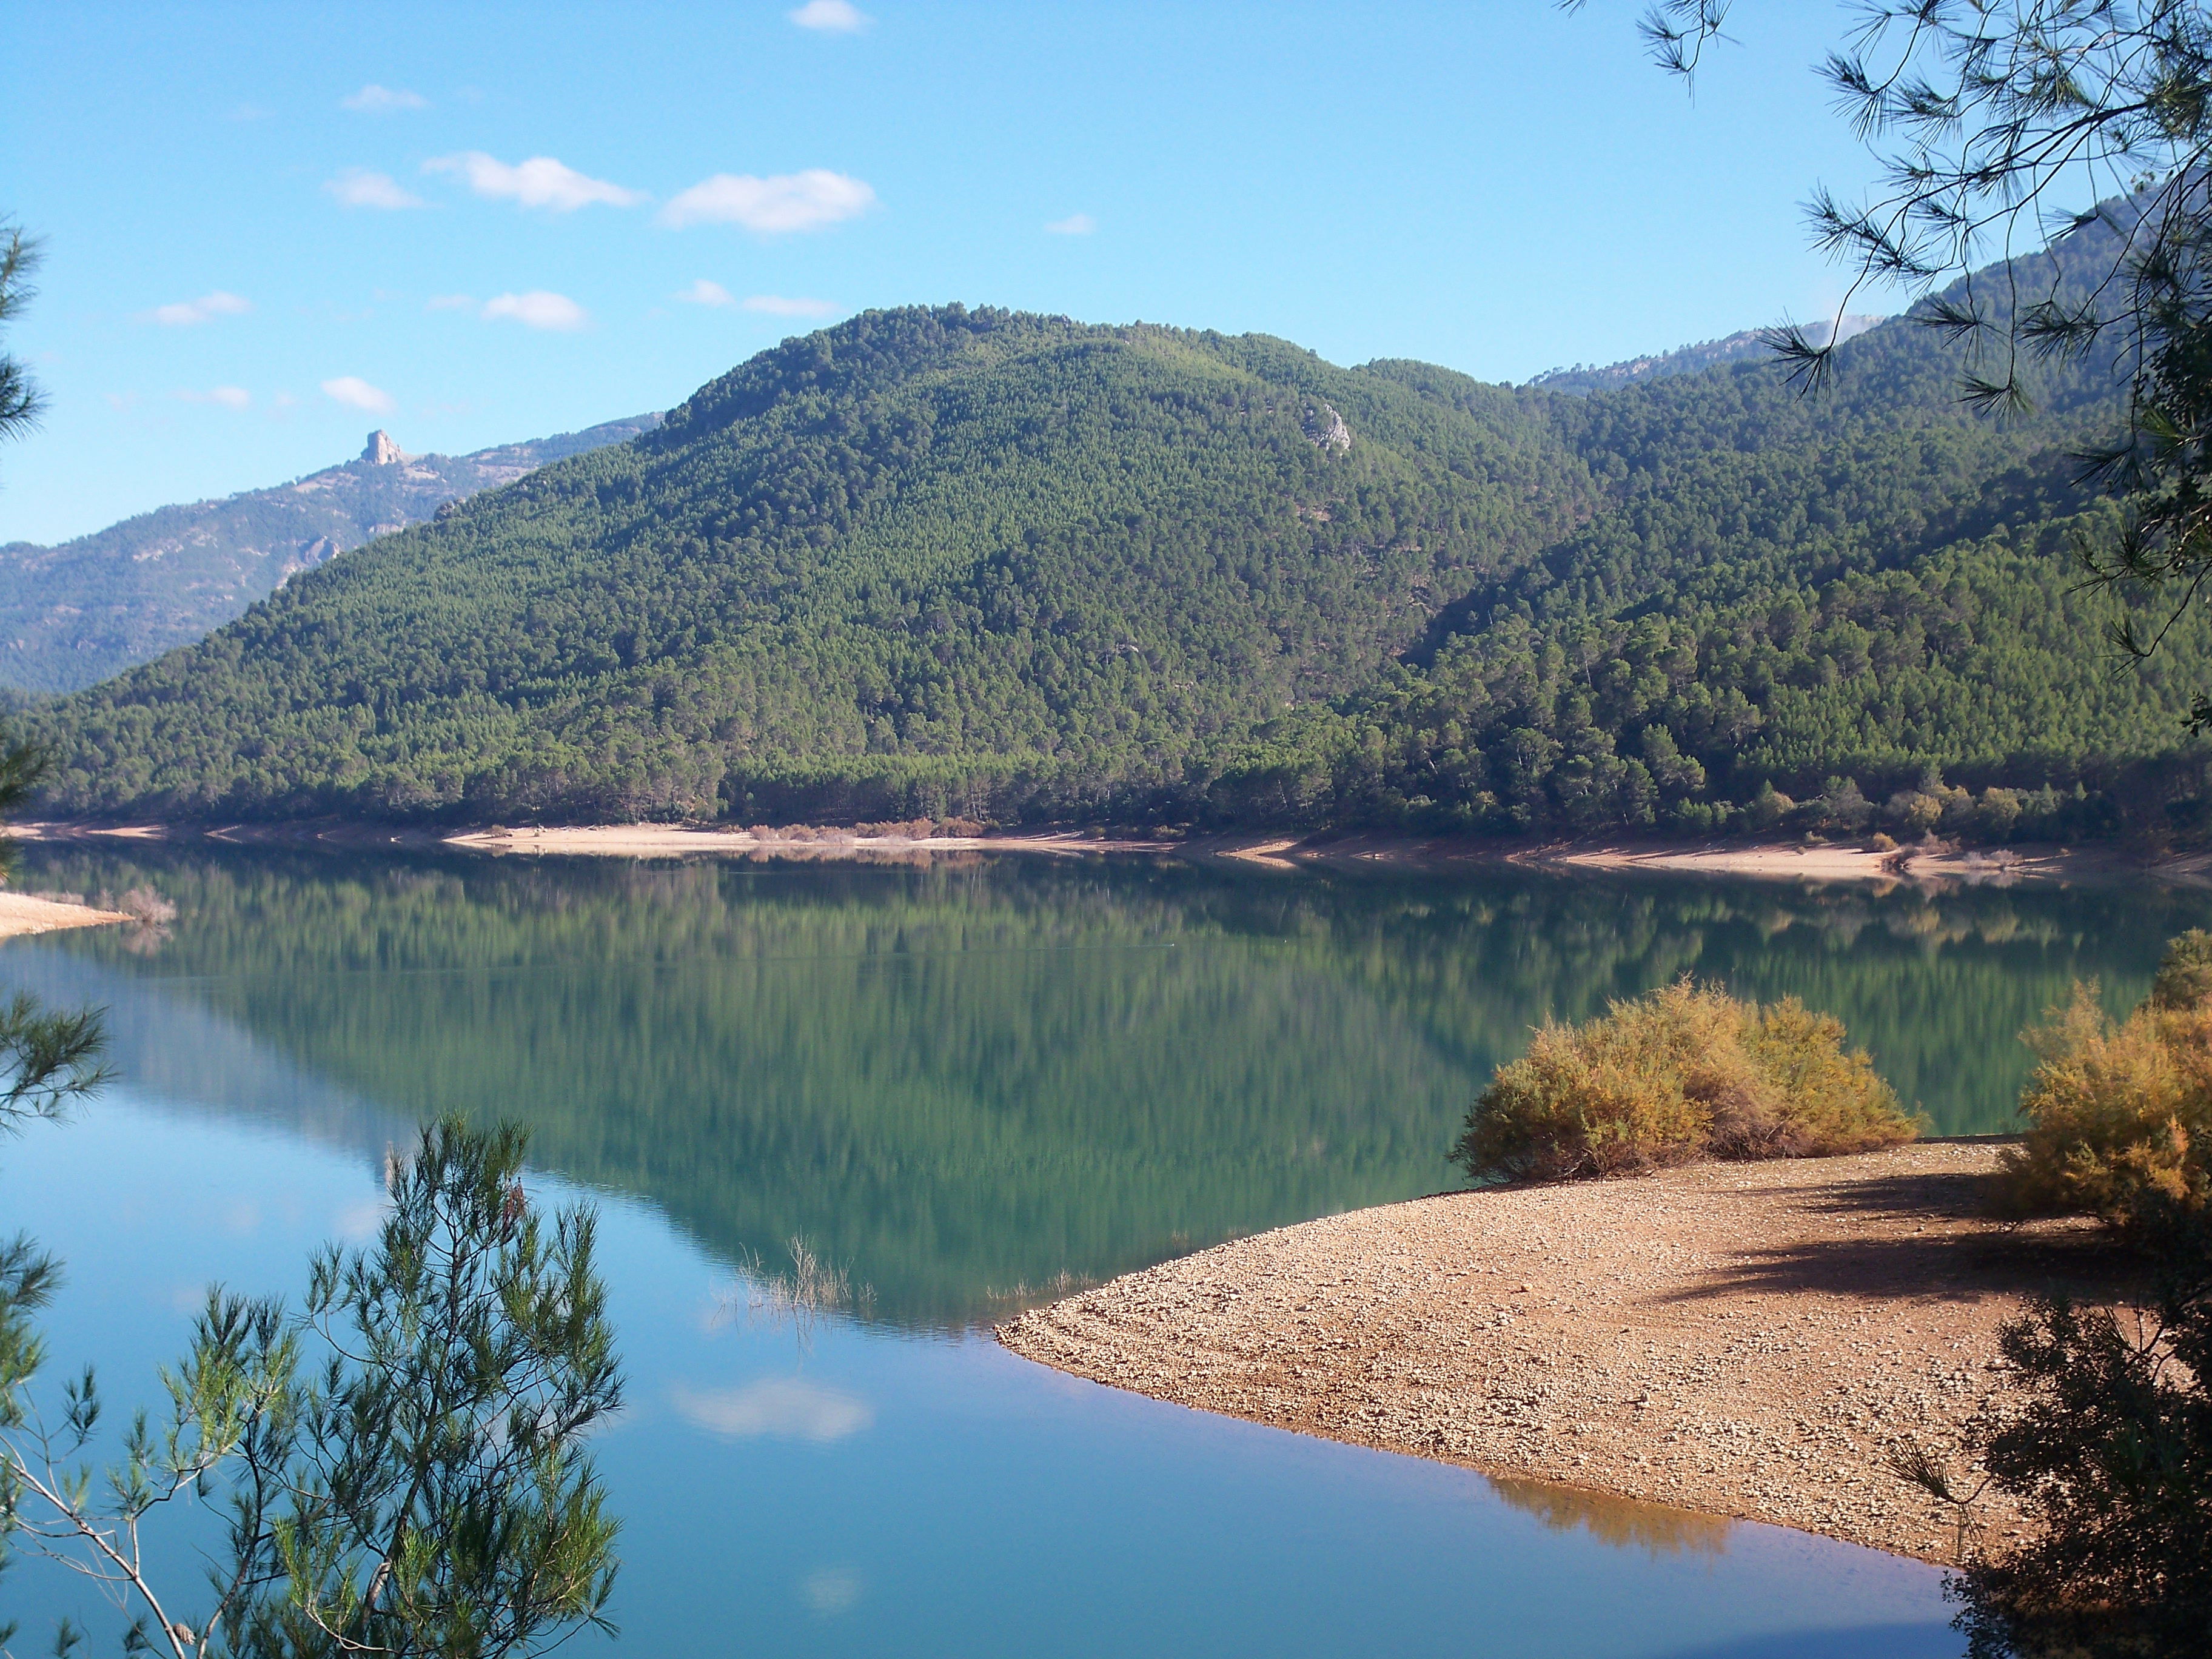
[(73, 614), (1689, 359)]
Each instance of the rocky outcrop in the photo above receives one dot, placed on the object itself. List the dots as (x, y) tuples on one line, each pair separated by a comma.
[(1324, 428), (382, 451)]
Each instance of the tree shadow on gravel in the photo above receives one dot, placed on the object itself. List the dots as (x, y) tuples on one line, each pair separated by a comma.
[(2074, 1259), (1930, 1197)]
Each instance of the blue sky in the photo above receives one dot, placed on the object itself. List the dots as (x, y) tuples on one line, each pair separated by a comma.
[(270, 229)]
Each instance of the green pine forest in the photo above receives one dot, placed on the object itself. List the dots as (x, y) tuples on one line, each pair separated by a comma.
[(976, 563)]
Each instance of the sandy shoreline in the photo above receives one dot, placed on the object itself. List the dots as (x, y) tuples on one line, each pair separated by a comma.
[(1824, 863), (1783, 861), (22, 914), (1746, 1341), (664, 840)]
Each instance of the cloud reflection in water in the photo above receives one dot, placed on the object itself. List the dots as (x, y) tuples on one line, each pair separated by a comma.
[(784, 1407)]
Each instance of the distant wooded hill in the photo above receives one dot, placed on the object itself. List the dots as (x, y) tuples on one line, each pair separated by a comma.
[(977, 562), (70, 615), (1748, 343)]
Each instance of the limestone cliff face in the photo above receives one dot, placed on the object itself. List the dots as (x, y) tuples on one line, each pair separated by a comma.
[(71, 616)]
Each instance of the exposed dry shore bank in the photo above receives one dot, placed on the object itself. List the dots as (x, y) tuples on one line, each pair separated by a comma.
[(662, 841), (21, 913), (1739, 1340), (1785, 861)]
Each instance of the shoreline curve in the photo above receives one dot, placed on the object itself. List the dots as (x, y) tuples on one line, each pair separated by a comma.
[(1751, 1341)]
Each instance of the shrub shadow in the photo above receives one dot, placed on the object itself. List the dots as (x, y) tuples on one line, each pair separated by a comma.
[(1983, 1258)]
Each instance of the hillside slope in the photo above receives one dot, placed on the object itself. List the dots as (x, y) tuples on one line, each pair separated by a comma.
[(1855, 609), (1006, 566), (72, 615)]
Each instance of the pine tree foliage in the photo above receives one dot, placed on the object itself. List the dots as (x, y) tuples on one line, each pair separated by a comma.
[(405, 1464), (21, 399), (2110, 1453)]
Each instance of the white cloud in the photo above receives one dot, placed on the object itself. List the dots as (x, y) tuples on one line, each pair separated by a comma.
[(783, 1407), (185, 312), (776, 306), (704, 292), (359, 187), (357, 393), (541, 181), (230, 397), (830, 17), (373, 100), (788, 201), (538, 309), (1076, 224), (449, 302), (121, 401)]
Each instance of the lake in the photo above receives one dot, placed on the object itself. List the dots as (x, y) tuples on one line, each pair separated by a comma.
[(967, 1084)]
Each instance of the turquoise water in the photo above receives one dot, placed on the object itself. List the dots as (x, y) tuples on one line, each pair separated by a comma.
[(965, 1084)]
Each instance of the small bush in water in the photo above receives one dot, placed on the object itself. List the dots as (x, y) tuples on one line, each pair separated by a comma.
[(1684, 1072), (2119, 1115)]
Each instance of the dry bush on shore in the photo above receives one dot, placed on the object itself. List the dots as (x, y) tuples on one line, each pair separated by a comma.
[(1685, 1072), (2120, 1112), (144, 905)]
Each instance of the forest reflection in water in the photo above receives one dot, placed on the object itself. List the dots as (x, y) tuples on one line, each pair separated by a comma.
[(965, 1084)]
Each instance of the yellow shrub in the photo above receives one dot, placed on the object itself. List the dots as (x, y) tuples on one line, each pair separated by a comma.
[(1685, 1072), (2121, 1113)]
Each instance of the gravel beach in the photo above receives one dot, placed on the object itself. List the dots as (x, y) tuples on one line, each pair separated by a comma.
[(1740, 1339)]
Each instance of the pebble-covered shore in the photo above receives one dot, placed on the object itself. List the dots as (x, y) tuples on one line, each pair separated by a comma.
[(1744, 1340)]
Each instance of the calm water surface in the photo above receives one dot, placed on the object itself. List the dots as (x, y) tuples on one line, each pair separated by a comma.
[(967, 1084)]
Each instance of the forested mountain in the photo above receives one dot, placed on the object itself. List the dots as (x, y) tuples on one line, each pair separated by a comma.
[(1008, 566), (70, 615), (947, 554)]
